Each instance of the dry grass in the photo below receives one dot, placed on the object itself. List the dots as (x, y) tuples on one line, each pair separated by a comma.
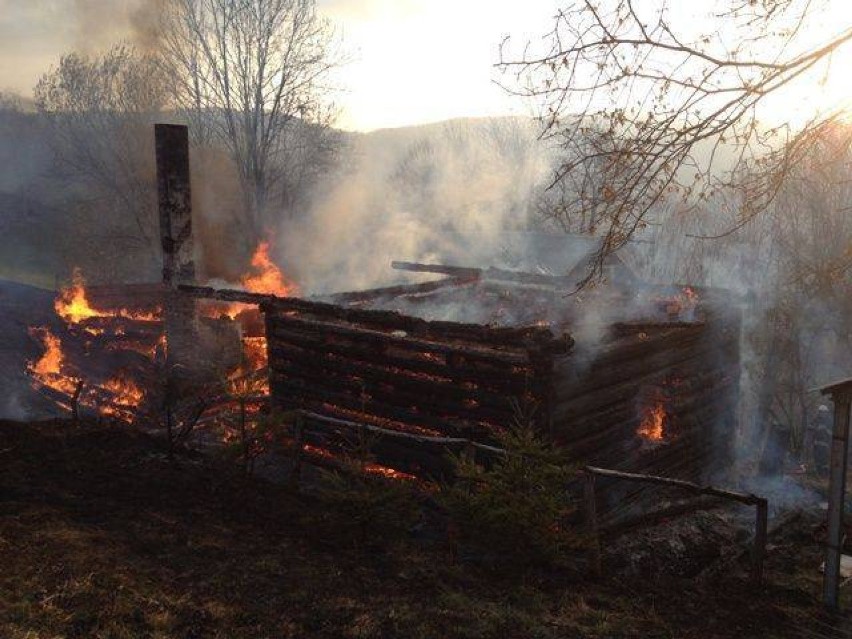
[(100, 536)]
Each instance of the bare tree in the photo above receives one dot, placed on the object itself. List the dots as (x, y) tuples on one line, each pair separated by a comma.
[(645, 107), (99, 111), (250, 74), (809, 318)]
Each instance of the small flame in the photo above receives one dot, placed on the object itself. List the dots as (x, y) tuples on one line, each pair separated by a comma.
[(266, 276), (125, 393), (653, 421), (245, 380), (51, 361)]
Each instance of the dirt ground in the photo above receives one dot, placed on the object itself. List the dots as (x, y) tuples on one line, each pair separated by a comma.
[(101, 535)]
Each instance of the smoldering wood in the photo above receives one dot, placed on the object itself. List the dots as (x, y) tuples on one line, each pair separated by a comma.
[(449, 383), (402, 290), (591, 409), (373, 320), (296, 393), (517, 357), (454, 271), (407, 452), (392, 387), (511, 382), (491, 273)]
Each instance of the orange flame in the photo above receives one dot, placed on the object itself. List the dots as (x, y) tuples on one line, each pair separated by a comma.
[(652, 424), (47, 371), (245, 379), (73, 306), (266, 276), (125, 393), (51, 361)]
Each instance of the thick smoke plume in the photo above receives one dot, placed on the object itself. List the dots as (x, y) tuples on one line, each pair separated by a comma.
[(437, 192)]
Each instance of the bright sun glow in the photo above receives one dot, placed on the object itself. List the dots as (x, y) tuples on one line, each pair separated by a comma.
[(413, 61)]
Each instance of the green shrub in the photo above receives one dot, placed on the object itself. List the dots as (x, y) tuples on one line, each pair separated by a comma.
[(513, 515), (366, 510)]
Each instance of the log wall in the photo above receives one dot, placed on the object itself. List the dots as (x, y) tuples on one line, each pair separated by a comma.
[(467, 380), (391, 370)]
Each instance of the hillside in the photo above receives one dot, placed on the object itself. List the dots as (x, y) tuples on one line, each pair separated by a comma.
[(102, 536)]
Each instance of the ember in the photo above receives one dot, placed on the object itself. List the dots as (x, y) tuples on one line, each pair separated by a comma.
[(653, 422)]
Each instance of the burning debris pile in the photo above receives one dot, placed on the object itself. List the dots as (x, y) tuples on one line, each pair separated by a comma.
[(103, 359), (109, 354)]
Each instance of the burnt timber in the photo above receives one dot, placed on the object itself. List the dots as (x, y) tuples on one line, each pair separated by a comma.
[(347, 358)]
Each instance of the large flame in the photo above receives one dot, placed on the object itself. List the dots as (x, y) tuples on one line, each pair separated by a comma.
[(73, 306), (263, 277), (653, 423), (266, 277)]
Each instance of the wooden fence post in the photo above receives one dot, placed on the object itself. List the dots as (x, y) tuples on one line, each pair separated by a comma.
[(841, 395), (760, 533)]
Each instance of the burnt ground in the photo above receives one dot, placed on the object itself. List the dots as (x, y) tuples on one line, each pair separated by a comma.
[(102, 536)]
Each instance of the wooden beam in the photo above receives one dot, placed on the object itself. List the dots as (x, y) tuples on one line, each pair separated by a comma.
[(491, 273), (761, 504), (354, 297), (521, 337), (454, 271), (743, 498)]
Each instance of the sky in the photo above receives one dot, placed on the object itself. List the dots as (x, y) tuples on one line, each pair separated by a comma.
[(409, 61)]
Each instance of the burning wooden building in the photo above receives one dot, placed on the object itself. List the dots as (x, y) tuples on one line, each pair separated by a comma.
[(627, 375), (652, 386)]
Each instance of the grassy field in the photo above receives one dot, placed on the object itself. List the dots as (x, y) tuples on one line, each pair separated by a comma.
[(102, 536)]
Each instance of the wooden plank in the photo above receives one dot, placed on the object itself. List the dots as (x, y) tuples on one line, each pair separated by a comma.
[(372, 294), (298, 393), (491, 273), (373, 373), (691, 487), (514, 382), (515, 357), (427, 400)]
